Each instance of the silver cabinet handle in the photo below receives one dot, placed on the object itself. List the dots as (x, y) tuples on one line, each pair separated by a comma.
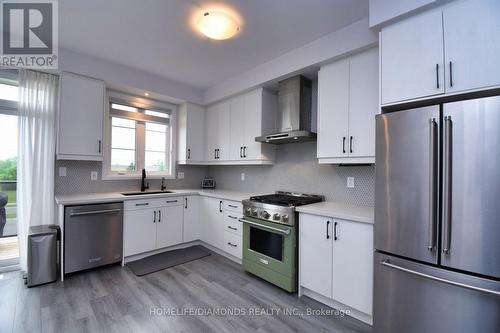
[(433, 165), (447, 169), (435, 278), (286, 231), (90, 212), (245, 151)]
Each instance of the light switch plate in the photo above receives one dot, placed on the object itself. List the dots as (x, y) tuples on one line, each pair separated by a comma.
[(180, 175), (93, 175), (62, 171), (350, 182), (242, 176)]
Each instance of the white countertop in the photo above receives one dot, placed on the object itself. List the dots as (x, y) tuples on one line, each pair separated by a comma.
[(93, 198), (339, 210)]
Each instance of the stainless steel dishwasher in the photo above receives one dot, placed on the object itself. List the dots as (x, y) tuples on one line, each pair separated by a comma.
[(93, 236)]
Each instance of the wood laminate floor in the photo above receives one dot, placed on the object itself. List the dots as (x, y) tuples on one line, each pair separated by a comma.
[(113, 299)]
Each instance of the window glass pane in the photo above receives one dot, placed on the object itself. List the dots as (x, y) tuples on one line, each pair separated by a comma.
[(122, 138), (156, 114), (115, 121), (156, 127), (122, 160), (8, 174), (9, 92), (155, 161), (155, 141), (123, 107)]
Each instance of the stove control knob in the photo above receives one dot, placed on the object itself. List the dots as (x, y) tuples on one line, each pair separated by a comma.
[(276, 216), (285, 218), (248, 211), (254, 212), (265, 215)]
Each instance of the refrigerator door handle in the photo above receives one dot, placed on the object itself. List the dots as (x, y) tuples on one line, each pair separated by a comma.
[(432, 185), (387, 263), (447, 169)]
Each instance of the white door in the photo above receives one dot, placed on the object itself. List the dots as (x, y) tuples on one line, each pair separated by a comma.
[(412, 58), (81, 114), (211, 131), (191, 229), (140, 231), (169, 226), (333, 109), (237, 127), (195, 133), (223, 132), (315, 258), (212, 222), (353, 264), (253, 125), (472, 44), (363, 103)]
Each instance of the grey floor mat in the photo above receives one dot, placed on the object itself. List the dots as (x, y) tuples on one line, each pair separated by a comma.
[(168, 259)]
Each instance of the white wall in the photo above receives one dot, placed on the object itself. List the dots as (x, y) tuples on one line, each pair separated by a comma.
[(325, 49), (118, 75)]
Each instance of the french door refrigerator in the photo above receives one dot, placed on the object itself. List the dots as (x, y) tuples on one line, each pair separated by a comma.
[(437, 218)]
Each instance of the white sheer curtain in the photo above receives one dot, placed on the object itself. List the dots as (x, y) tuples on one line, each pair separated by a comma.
[(36, 153)]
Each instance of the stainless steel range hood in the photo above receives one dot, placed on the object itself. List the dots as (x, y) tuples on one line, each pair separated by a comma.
[(294, 113)]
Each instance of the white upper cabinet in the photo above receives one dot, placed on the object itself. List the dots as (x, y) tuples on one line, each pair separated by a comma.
[(472, 44), (412, 58), (333, 109), (191, 131), (233, 125), (81, 115), (449, 49), (347, 105)]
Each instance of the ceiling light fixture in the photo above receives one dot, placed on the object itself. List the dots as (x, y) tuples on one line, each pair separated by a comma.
[(218, 25), (146, 94)]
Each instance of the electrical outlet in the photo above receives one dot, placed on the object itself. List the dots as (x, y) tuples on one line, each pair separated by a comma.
[(242, 176), (93, 175), (62, 171), (180, 175), (350, 182)]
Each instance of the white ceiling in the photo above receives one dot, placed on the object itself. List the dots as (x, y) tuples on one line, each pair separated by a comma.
[(155, 35)]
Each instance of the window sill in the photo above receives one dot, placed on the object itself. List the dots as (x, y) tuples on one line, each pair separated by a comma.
[(138, 176)]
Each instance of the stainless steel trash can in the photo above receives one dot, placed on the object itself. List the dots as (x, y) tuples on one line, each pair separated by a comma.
[(42, 254)]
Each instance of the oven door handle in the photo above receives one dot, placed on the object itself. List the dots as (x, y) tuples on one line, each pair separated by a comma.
[(286, 232)]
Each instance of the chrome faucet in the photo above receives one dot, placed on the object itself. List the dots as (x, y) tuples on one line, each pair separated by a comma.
[(163, 187), (144, 185)]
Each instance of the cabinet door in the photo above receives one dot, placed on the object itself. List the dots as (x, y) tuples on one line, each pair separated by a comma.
[(253, 124), (412, 58), (211, 131), (140, 231), (223, 132), (472, 44), (212, 222), (333, 109), (353, 264), (169, 226), (195, 133), (237, 128), (315, 259), (191, 230), (81, 113), (363, 103)]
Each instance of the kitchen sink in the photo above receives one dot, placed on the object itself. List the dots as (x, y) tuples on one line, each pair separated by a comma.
[(145, 193)]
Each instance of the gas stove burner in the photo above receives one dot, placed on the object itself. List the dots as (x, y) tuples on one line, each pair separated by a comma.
[(288, 199)]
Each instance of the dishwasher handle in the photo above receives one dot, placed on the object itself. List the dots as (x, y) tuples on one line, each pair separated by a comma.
[(91, 212)]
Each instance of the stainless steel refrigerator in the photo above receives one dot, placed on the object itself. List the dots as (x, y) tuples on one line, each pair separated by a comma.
[(437, 218)]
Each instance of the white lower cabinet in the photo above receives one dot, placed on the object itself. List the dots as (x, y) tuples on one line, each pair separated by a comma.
[(336, 260), (191, 218), (152, 224), (212, 221)]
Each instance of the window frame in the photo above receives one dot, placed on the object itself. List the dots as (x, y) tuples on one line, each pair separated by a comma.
[(140, 147)]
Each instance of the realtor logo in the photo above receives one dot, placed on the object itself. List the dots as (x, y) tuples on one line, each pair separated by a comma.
[(29, 34)]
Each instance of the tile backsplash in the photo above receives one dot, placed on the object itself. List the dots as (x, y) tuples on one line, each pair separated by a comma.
[(296, 169)]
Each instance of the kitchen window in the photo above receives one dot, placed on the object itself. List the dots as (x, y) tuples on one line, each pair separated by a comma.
[(139, 136)]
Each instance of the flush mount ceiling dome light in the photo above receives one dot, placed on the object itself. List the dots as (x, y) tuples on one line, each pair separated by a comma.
[(218, 25)]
